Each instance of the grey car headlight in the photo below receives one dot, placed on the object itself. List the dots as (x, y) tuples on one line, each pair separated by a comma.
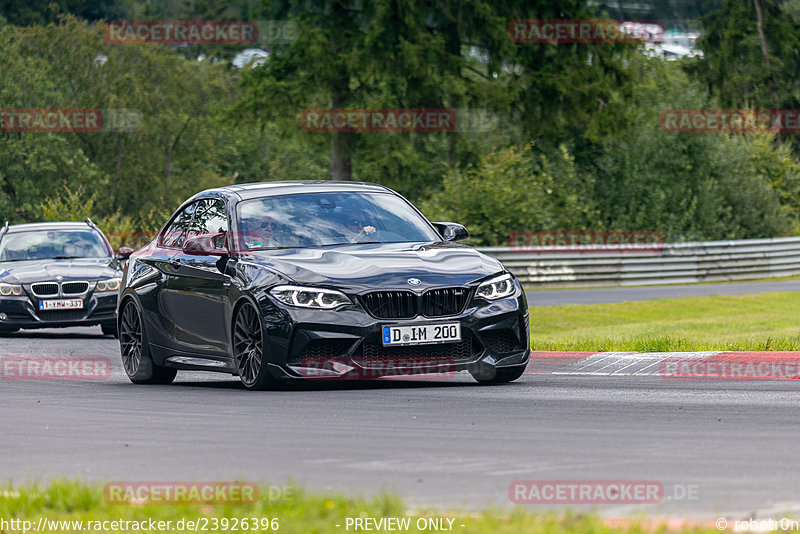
[(11, 289), (310, 297), (496, 288), (108, 285)]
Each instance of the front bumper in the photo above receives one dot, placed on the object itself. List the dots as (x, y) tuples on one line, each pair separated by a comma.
[(347, 343), (23, 311)]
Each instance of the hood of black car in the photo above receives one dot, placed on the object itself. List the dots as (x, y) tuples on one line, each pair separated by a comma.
[(27, 272), (381, 266)]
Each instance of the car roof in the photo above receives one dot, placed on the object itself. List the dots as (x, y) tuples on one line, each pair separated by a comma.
[(260, 189), (15, 228)]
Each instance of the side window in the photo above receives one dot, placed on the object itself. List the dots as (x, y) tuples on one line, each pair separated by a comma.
[(210, 219), (175, 234)]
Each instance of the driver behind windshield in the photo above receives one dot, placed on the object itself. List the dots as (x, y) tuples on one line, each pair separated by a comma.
[(262, 233), (357, 226)]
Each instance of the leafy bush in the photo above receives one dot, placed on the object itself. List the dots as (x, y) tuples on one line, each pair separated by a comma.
[(686, 186), (510, 190)]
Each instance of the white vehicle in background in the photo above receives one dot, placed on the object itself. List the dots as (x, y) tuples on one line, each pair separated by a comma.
[(649, 32), (675, 45), (251, 56)]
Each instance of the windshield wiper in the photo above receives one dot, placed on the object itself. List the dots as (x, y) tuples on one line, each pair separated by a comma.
[(345, 244), (65, 257)]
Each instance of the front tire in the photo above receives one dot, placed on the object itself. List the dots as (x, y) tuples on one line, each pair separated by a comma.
[(135, 350), (248, 350), (502, 375)]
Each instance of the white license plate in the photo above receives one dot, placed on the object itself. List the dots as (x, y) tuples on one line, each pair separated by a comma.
[(63, 304), (421, 334)]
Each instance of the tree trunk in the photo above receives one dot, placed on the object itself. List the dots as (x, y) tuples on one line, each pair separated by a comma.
[(765, 53), (760, 24), (341, 144), (341, 166), (341, 151)]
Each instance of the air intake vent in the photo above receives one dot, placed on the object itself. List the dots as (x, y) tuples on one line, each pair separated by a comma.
[(501, 341), (373, 355)]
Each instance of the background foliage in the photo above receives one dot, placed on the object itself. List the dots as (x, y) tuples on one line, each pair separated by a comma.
[(564, 136)]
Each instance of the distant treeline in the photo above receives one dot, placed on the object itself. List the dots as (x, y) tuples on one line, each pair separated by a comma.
[(559, 137)]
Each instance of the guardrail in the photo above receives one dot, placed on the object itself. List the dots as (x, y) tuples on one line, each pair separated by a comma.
[(671, 263)]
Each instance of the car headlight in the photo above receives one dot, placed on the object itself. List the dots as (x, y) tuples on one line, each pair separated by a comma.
[(496, 288), (11, 289), (310, 297), (108, 285)]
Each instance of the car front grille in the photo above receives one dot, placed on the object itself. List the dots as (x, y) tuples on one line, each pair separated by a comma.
[(391, 304), (407, 305), (74, 288), (44, 289), (441, 302), (51, 289)]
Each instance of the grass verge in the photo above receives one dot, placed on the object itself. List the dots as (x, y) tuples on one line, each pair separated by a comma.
[(297, 512), (768, 321)]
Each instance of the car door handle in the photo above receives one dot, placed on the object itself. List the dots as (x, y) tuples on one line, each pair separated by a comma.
[(176, 263)]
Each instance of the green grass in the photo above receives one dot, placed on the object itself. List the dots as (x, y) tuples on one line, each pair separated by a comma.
[(769, 321), (301, 512)]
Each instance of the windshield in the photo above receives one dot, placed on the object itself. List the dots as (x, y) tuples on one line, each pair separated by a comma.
[(325, 219), (52, 244)]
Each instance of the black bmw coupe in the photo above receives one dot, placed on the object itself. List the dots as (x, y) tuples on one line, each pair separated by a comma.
[(285, 281), (58, 274)]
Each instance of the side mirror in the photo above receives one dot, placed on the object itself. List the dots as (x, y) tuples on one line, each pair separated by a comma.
[(451, 231), (124, 253), (204, 245)]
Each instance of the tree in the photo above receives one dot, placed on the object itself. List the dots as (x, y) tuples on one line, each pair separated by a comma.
[(37, 12), (750, 56), (390, 54)]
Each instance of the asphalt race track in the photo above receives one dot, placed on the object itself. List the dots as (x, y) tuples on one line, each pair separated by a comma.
[(731, 444), (558, 297)]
